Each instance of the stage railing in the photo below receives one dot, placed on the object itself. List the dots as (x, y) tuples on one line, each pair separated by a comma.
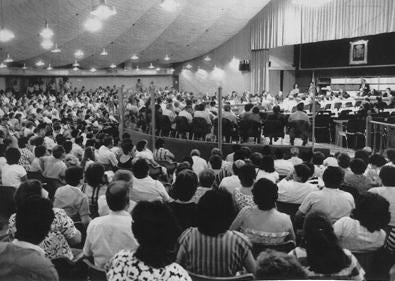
[(379, 135)]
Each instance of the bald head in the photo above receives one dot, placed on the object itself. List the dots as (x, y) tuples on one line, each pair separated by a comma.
[(117, 195)]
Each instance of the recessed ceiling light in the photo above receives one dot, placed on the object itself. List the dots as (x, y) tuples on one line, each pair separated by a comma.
[(103, 11), (49, 67), (104, 52), (151, 66), (76, 64), (92, 69), (8, 59), (56, 50), (93, 24), (113, 66), (40, 63), (134, 57), (47, 44), (6, 35), (167, 58), (46, 32), (78, 53)]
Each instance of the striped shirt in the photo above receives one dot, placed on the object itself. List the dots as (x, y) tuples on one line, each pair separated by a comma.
[(221, 256), (163, 154)]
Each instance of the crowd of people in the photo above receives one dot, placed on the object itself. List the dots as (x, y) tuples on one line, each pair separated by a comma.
[(75, 190)]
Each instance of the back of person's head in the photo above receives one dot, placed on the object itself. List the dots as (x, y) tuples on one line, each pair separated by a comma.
[(377, 160), (215, 211), (372, 211), (318, 158), (278, 153), (387, 175), (248, 106), (215, 162), (343, 159), (306, 155), (358, 166), (274, 265), (26, 189), (265, 194), (74, 175), (294, 151), (126, 146), (195, 152), (33, 219), (68, 146), (300, 106), (123, 175), (391, 155), (267, 164), (12, 155), (216, 151), (108, 141), (117, 195), (303, 172), (333, 177), (206, 178), (256, 158), (185, 186), (236, 147), (159, 143), (94, 174), (22, 141), (58, 151), (266, 150), (246, 151), (324, 254), (247, 175), (140, 169), (156, 231), (40, 151), (236, 166), (276, 109), (362, 155)]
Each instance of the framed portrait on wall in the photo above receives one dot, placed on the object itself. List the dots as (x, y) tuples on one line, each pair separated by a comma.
[(359, 52)]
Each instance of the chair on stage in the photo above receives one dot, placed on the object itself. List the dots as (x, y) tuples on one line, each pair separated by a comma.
[(249, 128), (323, 124), (273, 129), (182, 127), (229, 129), (299, 129), (200, 128), (164, 126), (356, 128)]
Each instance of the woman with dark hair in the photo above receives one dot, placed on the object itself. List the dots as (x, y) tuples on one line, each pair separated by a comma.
[(156, 231), (206, 181), (63, 232), (266, 170), (125, 160), (88, 158), (376, 162), (243, 196), (357, 179), (322, 256), (364, 230), (95, 186), (182, 192), (263, 224), (211, 249)]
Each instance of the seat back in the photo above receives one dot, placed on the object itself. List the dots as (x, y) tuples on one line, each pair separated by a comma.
[(344, 114), (356, 126), (323, 120), (348, 104), (338, 105), (273, 128), (300, 126), (200, 127), (198, 277), (228, 128), (182, 125)]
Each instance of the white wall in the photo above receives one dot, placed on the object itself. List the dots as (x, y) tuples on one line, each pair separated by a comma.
[(2, 83), (281, 59), (222, 70)]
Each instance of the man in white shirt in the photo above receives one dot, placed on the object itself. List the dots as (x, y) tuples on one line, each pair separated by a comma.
[(13, 174), (109, 234), (232, 182), (105, 155), (199, 164), (332, 201), (283, 167), (295, 189), (146, 188), (186, 114)]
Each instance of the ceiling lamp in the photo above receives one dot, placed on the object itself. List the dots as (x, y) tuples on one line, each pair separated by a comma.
[(92, 69), (56, 50), (151, 66), (207, 58), (40, 63), (134, 57), (311, 3), (137, 68), (6, 35), (8, 59), (158, 69), (49, 67), (47, 44), (169, 5), (167, 58), (75, 68), (104, 52), (24, 67), (188, 66), (125, 69), (78, 53), (113, 66), (76, 64), (93, 24), (103, 11), (3, 65), (46, 33)]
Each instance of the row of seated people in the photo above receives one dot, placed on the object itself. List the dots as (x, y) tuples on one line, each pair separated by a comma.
[(215, 219)]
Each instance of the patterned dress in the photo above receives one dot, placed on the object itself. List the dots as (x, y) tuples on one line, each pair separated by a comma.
[(125, 266), (55, 244)]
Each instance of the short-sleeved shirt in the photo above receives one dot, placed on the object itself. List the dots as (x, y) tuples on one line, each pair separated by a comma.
[(55, 243), (148, 189), (11, 175), (221, 256), (125, 266), (72, 200), (388, 192), (294, 192), (53, 168), (335, 203)]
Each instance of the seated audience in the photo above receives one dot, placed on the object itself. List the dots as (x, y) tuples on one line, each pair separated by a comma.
[(295, 160), (295, 188), (206, 181), (23, 259), (232, 183), (182, 192), (95, 186), (105, 155), (161, 153), (12, 173), (364, 230), (154, 257), (71, 199), (321, 255), (199, 164), (53, 166), (211, 249), (62, 233), (273, 265), (126, 157), (283, 167), (332, 201), (343, 160), (357, 179), (146, 188), (376, 162), (318, 161), (267, 170), (111, 233), (243, 196), (39, 152), (88, 158), (230, 156), (263, 224)]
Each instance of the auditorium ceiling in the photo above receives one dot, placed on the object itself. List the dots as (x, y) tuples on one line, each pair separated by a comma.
[(141, 27)]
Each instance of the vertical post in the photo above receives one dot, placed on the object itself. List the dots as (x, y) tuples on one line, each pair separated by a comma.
[(313, 112), (220, 118), (368, 130), (153, 113), (121, 112)]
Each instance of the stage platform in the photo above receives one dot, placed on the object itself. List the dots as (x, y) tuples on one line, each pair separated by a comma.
[(182, 147)]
